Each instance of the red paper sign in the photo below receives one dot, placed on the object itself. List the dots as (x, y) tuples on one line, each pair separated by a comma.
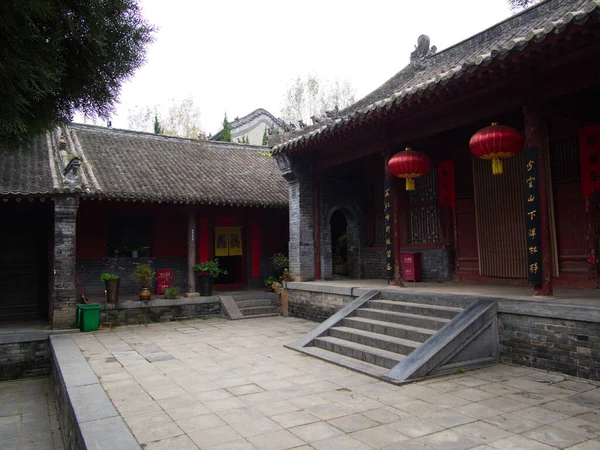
[(164, 279), (446, 193)]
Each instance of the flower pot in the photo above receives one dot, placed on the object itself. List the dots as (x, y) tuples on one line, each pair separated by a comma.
[(204, 284), (145, 294), (134, 253), (112, 290)]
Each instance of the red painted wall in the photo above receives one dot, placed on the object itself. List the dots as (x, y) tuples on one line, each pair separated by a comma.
[(169, 233), (91, 231)]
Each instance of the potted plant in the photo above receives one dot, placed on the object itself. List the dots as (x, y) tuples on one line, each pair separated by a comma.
[(206, 271), (111, 286), (144, 276), (286, 275), (280, 263), (270, 281), (172, 292)]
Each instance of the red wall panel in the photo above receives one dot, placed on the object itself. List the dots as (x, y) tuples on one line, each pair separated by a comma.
[(91, 231), (169, 234)]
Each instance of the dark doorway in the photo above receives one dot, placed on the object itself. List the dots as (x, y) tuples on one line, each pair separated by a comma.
[(24, 247), (339, 243)]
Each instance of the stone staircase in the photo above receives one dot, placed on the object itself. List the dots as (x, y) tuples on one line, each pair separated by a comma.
[(375, 335), (249, 305), (257, 307)]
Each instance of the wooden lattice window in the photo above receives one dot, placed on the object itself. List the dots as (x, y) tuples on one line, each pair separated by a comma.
[(423, 210), (375, 221), (564, 160)]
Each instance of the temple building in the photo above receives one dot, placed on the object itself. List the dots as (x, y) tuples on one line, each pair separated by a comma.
[(536, 72), (86, 200)]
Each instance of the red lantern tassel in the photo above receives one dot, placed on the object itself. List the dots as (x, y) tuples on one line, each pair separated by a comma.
[(410, 184)]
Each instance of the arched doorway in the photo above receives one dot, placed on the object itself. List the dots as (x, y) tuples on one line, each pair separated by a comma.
[(339, 244)]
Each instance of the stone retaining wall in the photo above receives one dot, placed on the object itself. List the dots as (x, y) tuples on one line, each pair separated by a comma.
[(160, 310), (547, 335), (24, 359)]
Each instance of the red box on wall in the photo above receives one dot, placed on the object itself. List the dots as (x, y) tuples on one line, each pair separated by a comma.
[(411, 266), (164, 279)]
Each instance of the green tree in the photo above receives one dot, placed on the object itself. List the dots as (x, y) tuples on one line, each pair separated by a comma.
[(226, 134), (310, 95), (181, 118), (59, 57), (265, 140), (157, 128)]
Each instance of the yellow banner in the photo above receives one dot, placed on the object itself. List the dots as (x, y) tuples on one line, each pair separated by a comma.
[(221, 242), (235, 241), (228, 241)]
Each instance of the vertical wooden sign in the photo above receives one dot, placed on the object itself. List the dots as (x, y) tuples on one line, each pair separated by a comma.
[(388, 215), (532, 219)]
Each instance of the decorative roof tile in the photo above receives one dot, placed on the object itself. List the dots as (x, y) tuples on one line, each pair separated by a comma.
[(513, 34)]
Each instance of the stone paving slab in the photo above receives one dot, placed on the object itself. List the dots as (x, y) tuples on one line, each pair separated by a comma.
[(28, 415), (221, 384)]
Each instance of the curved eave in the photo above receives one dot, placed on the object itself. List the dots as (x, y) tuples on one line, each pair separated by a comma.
[(382, 107), (187, 200)]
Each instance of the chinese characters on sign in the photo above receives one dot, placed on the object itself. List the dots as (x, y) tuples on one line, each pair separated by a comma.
[(388, 214), (532, 220)]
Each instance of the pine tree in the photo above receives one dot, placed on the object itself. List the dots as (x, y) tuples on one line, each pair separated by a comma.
[(157, 128), (265, 140), (226, 135), (59, 57)]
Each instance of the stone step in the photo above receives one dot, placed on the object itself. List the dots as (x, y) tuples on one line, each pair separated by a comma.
[(345, 361), (379, 341), (253, 303), (421, 309), (457, 301), (389, 328), (362, 352), (259, 310), (253, 295), (258, 316), (415, 320)]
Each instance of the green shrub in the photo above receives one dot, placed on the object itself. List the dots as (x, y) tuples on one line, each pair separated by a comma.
[(172, 292), (210, 267), (144, 275), (108, 276)]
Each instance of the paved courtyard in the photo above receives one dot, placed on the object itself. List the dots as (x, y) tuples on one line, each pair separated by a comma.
[(218, 384), (28, 417)]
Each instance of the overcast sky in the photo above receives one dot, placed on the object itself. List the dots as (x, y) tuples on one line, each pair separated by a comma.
[(236, 56)]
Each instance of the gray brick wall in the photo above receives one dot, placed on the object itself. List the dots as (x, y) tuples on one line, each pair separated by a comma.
[(566, 346), (347, 197), (24, 359), (142, 315), (315, 306), (89, 271), (301, 246), (436, 264), (64, 293), (374, 264)]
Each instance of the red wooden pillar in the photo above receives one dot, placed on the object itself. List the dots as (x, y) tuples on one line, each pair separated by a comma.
[(387, 154), (255, 248), (535, 136), (191, 250), (316, 225), (203, 240)]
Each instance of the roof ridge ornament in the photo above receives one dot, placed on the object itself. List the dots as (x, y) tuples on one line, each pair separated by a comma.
[(421, 52)]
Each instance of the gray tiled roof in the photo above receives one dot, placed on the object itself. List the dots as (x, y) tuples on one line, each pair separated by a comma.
[(248, 118), (27, 171), (133, 165), (512, 35), (147, 166)]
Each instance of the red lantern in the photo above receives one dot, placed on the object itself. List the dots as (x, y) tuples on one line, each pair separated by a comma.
[(497, 142), (409, 164)]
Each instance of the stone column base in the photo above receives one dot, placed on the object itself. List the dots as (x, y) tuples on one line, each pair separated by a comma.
[(191, 294)]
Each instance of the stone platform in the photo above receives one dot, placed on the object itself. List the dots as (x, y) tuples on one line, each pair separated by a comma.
[(220, 384), (559, 333)]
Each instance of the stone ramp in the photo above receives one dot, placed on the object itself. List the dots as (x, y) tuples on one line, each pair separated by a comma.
[(250, 305), (406, 337)]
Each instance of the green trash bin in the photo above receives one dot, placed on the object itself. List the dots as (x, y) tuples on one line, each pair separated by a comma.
[(88, 317)]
